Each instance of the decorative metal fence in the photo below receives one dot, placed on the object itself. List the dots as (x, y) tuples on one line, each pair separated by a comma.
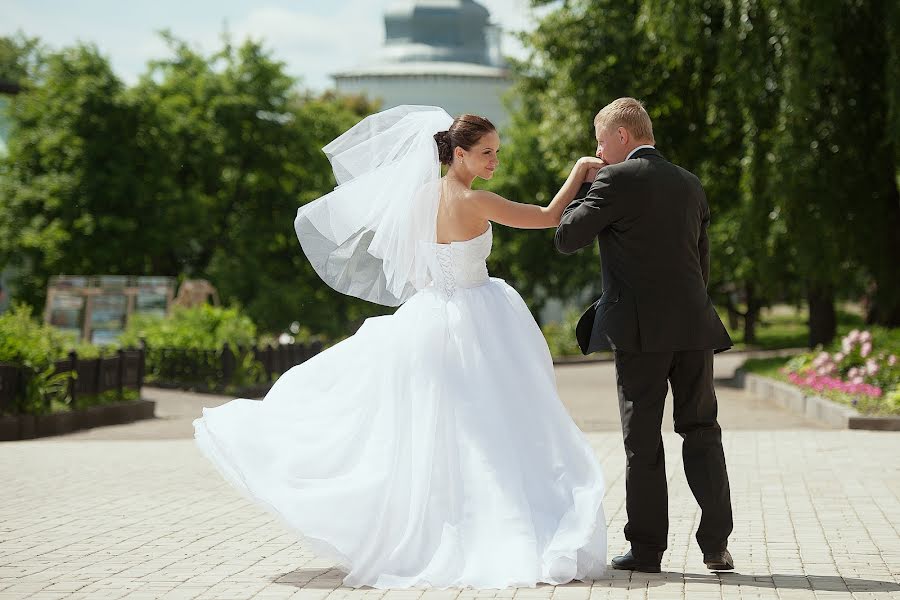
[(87, 377), (213, 370), (230, 367)]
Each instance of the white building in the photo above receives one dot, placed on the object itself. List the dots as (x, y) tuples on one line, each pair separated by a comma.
[(437, 52)]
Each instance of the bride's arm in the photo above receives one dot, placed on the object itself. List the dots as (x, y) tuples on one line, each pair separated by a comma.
[(529, 216)]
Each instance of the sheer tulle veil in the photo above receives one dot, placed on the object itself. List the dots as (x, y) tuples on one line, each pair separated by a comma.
[(368, 238)]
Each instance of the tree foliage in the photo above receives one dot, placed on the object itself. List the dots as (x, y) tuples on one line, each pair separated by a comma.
[(787, 110), (197, 170)]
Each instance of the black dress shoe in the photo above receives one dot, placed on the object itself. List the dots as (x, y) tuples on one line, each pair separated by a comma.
[(645, 563), (719, 561)]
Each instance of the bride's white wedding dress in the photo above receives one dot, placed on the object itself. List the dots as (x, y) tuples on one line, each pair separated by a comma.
[(430, 449)]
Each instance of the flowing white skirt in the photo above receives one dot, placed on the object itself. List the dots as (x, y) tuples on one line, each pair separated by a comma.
[(430, 449)]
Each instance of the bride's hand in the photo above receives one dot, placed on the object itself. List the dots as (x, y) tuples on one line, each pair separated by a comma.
[(591, 166)]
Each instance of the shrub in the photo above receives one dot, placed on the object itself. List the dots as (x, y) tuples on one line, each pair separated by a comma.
[(185, 347), (35, 347), (861, 370), (561, 336), (201, 327)]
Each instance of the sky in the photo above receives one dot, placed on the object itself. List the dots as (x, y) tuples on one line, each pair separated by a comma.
[(315, 38)]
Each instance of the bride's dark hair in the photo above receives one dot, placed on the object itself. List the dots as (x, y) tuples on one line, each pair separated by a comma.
[(465, 132)]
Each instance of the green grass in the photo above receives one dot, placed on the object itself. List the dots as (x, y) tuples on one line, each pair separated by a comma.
[(787, 327), (779, 327), (768, 367)]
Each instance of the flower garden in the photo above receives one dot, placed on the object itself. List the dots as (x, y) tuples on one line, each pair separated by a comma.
[(860, 370)]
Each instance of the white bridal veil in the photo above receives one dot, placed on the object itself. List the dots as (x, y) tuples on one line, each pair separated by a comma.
[(368, 237)]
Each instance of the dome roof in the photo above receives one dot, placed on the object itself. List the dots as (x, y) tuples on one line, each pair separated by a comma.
[(436, 30)]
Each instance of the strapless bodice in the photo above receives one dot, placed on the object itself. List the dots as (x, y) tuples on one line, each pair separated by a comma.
[(462, 264)]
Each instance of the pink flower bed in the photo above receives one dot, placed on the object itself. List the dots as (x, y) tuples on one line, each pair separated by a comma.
[(855, 370), (821, 383)]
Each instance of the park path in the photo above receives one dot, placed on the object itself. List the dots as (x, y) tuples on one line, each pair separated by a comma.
[(134, 511)]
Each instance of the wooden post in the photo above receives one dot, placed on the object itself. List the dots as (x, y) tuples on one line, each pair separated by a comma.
[(130, 302), (86, 328), (227, 363), (141, 365), (98, 372), (73, 377), (121, 373), (48, 304), (270, 367)]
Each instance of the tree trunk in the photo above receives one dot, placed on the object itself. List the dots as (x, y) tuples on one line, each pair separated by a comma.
[(822, 316), (731, 306), (751, 317), (884, 308), (734, 318)]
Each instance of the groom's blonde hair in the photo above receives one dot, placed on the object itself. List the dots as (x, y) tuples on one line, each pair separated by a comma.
[(628, 113)]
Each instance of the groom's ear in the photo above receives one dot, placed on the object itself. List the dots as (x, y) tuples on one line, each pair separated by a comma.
[(624, 135)]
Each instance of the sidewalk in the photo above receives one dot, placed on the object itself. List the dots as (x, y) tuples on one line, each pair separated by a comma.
[(134, 511)]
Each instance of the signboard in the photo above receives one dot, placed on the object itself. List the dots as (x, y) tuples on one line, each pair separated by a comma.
[(97, 308), (153, 295), (67, 312), (107, 317)]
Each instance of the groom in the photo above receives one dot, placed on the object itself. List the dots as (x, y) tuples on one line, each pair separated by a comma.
[(650, 218)]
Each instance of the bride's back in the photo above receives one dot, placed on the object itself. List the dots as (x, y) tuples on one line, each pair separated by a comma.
[(456, 222)]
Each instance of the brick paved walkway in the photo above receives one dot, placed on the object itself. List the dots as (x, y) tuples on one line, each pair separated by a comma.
[(135, 512)]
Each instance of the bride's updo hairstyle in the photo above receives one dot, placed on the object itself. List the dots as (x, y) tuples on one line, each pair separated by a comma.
[(465, 132)]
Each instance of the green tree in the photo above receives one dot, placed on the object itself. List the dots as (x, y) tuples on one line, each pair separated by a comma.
[(585, 54), (234, 151), (20, 57), (737, 165), (527, 258), (70, 181), (838, 161), (197, 170), (786, 110)]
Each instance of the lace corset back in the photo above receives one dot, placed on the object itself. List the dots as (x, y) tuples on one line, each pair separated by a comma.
[(462, 264)]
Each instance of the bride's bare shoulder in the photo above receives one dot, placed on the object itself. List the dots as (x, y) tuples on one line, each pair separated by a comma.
[(482, 197), (470, 193)]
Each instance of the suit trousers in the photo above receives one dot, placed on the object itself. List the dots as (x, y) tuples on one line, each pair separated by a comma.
[(641, 379)]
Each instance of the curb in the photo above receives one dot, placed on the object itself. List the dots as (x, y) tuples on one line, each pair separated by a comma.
[(257, 390), (25, 427), (816, 408), (604, 357), (600, 357)]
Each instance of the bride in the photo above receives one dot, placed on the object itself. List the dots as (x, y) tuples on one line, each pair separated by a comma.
[(430, 449)]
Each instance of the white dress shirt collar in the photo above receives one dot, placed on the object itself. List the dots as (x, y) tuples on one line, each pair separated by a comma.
[(639, 148)]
